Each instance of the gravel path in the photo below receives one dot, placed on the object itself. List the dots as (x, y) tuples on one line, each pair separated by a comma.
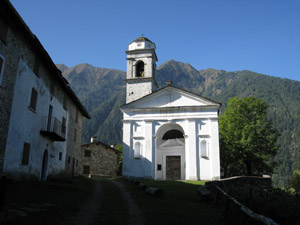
[(136, 215)]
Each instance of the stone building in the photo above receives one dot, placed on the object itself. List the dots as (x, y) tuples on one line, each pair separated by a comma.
[(168, 133), (40, 116), (98, 159)]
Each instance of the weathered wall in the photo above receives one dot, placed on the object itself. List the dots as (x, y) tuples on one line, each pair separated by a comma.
[(103, 160), (74, 134), (11, 50), (25, 126), (20, 49)]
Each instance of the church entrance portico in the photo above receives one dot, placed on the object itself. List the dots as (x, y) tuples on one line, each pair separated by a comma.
[(170, 151)]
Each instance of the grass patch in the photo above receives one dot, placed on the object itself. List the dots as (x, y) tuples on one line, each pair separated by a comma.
[(178, 206), (46, 203)]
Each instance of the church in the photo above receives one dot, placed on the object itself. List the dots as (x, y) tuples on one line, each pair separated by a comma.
[(168, 133)]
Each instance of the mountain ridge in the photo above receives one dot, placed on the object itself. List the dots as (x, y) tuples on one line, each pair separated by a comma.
[(102, 91)]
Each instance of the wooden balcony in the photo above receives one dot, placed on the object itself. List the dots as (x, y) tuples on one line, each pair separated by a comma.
[(53, 129)]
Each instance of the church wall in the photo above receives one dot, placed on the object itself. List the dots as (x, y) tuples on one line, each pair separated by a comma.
[(196, 128)]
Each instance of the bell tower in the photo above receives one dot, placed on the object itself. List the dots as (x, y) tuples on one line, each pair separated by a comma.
[(141, 66)]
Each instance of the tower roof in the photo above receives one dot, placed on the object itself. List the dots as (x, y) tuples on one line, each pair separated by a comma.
[(141, 43), (142, 39)]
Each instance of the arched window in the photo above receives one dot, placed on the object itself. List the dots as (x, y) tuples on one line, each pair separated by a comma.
[(140, 69), (204, 149), (137, 150), (172, 134)]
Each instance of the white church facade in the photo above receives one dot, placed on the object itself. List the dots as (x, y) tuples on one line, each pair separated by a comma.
[(168, 133)]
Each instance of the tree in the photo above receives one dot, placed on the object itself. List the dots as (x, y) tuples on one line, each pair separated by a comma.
[(247, 138), (295, 181)]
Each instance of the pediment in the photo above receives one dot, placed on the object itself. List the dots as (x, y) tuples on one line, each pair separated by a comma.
[(170, 97)]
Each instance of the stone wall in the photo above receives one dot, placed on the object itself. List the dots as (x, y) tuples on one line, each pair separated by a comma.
[(74, 133), (102, 160), (241, 181)]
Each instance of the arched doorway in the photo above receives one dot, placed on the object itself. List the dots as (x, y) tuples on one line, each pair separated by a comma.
[(170, 152), (44, 166)]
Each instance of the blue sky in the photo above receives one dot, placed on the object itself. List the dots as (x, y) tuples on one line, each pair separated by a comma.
[(258, 35)]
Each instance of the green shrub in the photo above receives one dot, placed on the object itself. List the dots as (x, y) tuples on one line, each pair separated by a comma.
[(295, 181)]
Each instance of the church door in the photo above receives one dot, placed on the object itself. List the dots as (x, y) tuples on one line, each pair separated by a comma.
[(173, 168)]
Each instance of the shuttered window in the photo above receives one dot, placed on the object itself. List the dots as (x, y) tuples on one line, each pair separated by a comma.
[(86, 169), (33, 99), (26, 153), (87, 153), (36, 67), (3, 30), (65, 102), (1, 68), (63, 126)]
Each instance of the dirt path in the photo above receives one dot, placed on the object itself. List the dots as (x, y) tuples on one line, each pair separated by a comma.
[(89, 211), (136, 215)]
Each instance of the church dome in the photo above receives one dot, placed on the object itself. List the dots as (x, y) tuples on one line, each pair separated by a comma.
[(141, 43)]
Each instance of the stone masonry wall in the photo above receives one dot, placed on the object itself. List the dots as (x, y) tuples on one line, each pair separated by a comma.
[(73, 154), (12, 49), (102, 161)]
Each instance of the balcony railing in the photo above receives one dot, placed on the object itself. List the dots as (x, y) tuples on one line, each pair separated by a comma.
[(53, 128)]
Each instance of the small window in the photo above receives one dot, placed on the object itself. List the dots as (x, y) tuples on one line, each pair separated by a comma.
[(69, 159), (87, 153), (204, 149), (60, 156), (26, 153), (137, 150), (1, 68), (33, 99), (158, 167), (86, 169), (36, 67), (63, 126), (3, 29), (65, 102)]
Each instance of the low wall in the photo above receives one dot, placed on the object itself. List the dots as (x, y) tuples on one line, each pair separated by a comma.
[(262, 182)]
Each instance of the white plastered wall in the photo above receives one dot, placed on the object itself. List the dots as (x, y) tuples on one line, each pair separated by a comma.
[(195, 167), (25, 126)]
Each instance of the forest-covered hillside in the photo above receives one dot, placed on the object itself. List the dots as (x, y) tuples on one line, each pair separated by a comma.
[(102, 91)]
